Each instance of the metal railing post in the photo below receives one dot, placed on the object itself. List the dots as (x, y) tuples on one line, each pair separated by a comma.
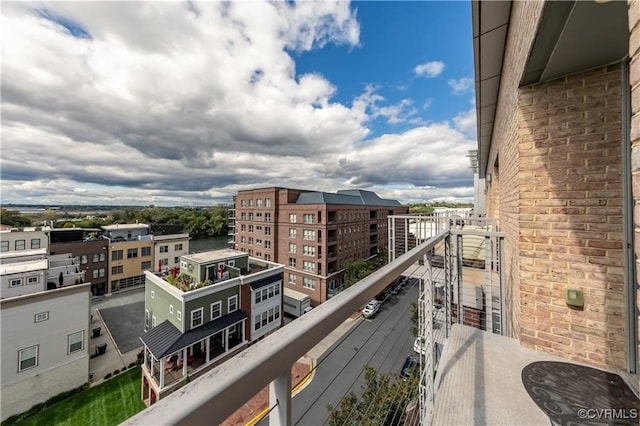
[(280, 400)]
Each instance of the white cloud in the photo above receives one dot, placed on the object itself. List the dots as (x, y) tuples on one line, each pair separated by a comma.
[(187, 103), (461, 86), (429, 69)]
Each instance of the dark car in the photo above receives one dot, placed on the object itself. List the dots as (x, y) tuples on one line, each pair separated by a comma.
[(383, 297), (408, 367), (396, 289)]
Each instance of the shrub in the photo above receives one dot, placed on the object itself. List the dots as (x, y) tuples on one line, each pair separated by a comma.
[(133, 364), (116, 372), (123, 368), (108, 376)]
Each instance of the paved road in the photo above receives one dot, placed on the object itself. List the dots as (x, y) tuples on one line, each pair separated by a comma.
[(123, 314), (383, 343)]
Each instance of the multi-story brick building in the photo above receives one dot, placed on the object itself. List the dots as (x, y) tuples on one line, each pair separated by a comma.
[(91, 250), (558, 109), (312, 233)]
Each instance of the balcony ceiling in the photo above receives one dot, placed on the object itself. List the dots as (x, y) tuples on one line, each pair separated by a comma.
[(572, 36)]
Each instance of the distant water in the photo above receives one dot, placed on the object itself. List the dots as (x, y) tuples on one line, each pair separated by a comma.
[(205, 244)]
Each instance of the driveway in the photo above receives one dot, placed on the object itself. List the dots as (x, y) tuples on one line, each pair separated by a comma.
[(126, 325)]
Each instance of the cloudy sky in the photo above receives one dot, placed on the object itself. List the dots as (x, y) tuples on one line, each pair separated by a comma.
[(186, 103)]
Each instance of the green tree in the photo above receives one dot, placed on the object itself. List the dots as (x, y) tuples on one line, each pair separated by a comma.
[(14, 218), (414, 319), (355, 270), (383, 401)]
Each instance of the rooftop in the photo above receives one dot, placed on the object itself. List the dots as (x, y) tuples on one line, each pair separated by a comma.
[(124, 226), (213, 255), (21, 267), (348, 196)]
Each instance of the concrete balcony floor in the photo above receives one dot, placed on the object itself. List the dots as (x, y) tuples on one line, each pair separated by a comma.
[(479, 381)]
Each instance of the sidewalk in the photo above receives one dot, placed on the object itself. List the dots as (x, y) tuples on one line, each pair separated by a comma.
[(302, 374), (112, 359)]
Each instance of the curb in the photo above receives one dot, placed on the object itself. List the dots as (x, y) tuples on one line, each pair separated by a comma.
[(296, 389)]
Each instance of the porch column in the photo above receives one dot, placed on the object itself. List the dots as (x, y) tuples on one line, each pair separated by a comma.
[(161, 373), (280, 394), (184, 362), (244, 336), (208, 347), (151, 362), (226, 339)]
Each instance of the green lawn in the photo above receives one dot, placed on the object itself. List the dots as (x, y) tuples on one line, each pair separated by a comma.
[(109, 403)]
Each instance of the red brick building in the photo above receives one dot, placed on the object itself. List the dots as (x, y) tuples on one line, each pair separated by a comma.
[(312, 233)]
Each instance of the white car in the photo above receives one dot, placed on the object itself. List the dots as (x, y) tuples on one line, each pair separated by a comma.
[(371, 309), (419, 346)]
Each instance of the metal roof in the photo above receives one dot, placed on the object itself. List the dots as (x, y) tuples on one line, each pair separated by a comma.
[(348, 196), (166, 339)]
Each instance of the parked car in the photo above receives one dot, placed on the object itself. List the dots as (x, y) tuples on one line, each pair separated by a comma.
[(383, 297), (419, 345), (408, 367), (371, 309), (396, 289)]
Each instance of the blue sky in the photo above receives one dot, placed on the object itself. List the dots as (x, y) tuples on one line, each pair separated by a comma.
[(175, 103)]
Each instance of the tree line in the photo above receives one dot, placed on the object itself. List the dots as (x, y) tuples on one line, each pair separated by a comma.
[(198, 222)]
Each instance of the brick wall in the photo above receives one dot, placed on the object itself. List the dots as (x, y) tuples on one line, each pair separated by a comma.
[(503, 195), (634, 80), (570, 212)]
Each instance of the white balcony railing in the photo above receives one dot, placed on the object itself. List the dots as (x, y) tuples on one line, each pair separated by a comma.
[(212, 398)]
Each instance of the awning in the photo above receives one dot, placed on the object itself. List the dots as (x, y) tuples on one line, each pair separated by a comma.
[(166, 339)]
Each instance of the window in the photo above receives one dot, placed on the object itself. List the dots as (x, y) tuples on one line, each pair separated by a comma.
[(251, 203), (153, 321), (243, 227), (35, 243), (309, 234), (267, 217), (96, 258), (258, 296), (307, 218), (19, 245), (179, 316), (177, 247), (243, 239), (16, 282), (171, 309), (256, 320), (243, 203), (267, 230), (145, 251), (292, 262), (146, 265), (101, 272), (250, 240), (42, 316), (292, 218), (309, 283), (232, 304), (164, 261), (308, 266), (4, 245), (259, 202), (292, 247), (116, 255), (267, 257), (95, 273), (164, 249), (33, 279), (243, 216), (267, 202), (27, 358), (116, 270), (267, 244), (196, 318), (132, 252), (292, 279), (216, 310), (76, 342), (292, 232), (309, 250), (250, 228), (176, 259), (83, 259), (250, 216)]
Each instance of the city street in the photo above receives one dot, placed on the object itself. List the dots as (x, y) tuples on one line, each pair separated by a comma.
[(382, 342)]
